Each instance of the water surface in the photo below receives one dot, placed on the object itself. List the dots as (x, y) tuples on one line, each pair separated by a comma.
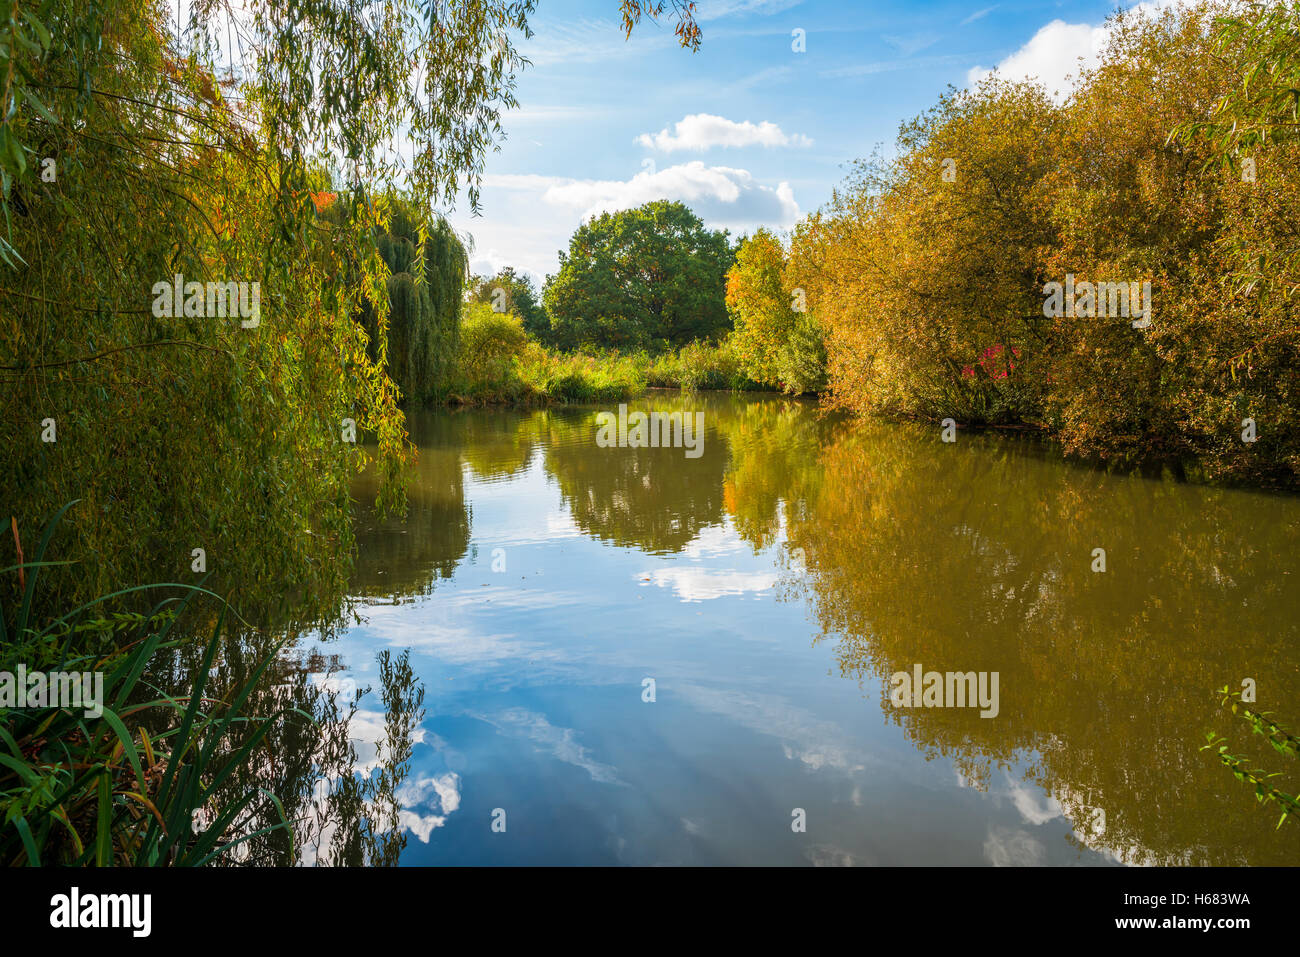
[(769, 588)]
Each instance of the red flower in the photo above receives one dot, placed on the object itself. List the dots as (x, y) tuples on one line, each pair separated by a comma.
[(990, 361)]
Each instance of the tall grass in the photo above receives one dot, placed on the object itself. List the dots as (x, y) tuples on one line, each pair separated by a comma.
[(699, 366), (103, 791), (582, 378), (499, 364)]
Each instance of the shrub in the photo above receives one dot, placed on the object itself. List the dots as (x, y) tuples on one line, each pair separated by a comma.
[(490, 342)]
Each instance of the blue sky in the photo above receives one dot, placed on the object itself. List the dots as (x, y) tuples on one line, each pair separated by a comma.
[(772, 128)]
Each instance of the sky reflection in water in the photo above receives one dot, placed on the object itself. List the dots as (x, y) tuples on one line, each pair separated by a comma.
[(771, 664)]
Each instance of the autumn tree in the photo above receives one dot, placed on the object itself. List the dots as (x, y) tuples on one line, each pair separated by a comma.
[(931, 271), (922, 263)]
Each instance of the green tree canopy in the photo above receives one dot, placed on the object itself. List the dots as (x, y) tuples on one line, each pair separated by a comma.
[(511, 291), (649, 277), (427, 264), (777, 340)]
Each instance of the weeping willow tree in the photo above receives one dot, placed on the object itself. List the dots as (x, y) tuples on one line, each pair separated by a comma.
[(142, 144), (428, 266)]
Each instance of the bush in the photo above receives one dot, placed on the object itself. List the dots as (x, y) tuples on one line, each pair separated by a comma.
[(801, 360), (699, 366), (485, 362), (499, 363), (82, 790)]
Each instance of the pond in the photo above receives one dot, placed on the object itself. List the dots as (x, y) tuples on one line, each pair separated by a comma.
[(636, 656)]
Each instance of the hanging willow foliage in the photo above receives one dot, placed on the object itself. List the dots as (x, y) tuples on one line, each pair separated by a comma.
[(136, 150)]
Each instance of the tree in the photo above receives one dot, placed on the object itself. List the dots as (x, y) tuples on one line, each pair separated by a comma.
[(921, 263), (427, 266), (1252, 132), (514, 292), (931, 272), (649, 277), (131, 152), (778, 341)]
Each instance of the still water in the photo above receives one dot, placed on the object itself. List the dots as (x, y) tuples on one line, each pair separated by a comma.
[(770, 587)]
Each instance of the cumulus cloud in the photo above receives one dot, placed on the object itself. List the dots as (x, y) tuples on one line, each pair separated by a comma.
[(702, 131), (544, 210), (718, 194), (1057, 54)]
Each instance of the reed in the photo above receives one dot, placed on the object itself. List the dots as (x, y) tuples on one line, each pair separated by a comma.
[(80, 791)]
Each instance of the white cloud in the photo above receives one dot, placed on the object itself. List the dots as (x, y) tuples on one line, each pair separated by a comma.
[(1058, 53), (489, 262), (1052, 56), (702, 131), (713, 541), (979, 15), (692, 584), (1034, 806), (455, 643), (443, 789), (519, 231), (531, 216), (719, 195)]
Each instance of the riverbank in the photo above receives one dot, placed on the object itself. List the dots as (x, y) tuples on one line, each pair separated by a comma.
[(501, 366), (550, 380)]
